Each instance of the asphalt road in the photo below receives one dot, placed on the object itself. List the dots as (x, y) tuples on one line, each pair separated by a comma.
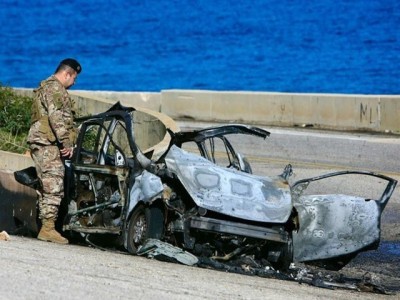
[(30, 269), (315, 149)]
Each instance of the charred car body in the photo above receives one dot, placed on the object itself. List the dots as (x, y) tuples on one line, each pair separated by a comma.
[(190, 201)]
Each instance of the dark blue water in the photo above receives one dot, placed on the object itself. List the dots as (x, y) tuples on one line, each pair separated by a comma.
[(328, 46)]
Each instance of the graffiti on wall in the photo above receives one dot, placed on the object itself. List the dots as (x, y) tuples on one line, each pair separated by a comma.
[(368, 113)]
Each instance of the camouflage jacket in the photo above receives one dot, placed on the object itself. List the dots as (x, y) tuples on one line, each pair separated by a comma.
[(52, 116)]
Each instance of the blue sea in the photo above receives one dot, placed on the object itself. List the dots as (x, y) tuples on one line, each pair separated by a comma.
[(325, 46)]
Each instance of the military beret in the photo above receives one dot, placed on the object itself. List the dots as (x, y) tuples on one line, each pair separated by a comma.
[(74, 64)]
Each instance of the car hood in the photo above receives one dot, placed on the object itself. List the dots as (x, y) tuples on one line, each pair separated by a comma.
[(231, 192)]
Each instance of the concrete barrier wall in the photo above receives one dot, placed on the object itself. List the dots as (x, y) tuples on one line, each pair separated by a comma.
[(330, 111), (146, 100), (390, 113)]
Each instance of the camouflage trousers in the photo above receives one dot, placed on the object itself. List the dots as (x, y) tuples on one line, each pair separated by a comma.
[(50, 170)]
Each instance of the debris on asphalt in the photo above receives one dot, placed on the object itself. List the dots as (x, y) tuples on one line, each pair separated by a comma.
[(154, 248), (4, 236)]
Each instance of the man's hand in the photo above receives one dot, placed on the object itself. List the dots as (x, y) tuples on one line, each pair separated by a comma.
[(67, 152)]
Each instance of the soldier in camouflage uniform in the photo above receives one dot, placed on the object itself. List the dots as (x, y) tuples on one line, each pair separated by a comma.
[(51, 139)]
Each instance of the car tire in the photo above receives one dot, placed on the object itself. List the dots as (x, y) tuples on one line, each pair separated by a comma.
[(285, 255), (146, 222)]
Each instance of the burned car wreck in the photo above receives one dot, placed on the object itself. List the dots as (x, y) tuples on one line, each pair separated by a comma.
[(208, 203)]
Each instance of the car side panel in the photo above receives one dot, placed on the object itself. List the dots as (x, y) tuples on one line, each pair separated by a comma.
[(229, 191), (334, 225)]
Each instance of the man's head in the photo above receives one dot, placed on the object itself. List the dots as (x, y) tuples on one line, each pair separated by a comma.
[(67, 71)]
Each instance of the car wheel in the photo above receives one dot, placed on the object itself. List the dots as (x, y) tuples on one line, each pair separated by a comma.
[(286, 257), (145, 222), (281, 255)]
